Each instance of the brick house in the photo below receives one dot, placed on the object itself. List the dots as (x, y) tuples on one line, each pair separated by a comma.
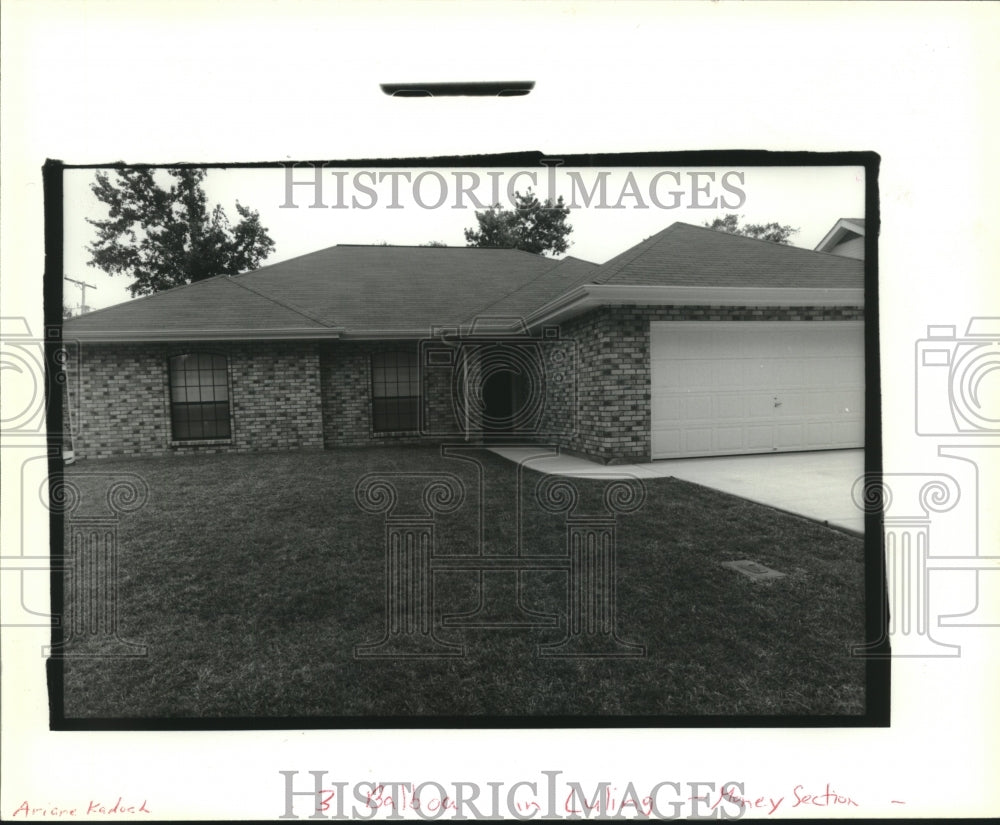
[(693, 342)]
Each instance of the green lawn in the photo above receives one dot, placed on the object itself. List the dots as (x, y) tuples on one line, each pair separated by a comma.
[(251, 579)]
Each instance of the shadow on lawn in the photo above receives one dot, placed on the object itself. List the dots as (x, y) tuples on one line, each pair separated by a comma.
[(253, 579)]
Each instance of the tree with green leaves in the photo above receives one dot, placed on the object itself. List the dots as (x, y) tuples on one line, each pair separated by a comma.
[(531, 225), (775, 232), (166, 236)]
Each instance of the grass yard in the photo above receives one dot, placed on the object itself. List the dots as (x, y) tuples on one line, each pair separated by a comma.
[(251, 579)]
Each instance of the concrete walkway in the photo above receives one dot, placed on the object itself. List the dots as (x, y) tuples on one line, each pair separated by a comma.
[(814, 484)]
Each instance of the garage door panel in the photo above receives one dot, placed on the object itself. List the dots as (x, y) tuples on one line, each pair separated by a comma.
[(727, 372), (696, 441), (697, 407), (759, 405), (823, 402), (791, 404), (729, 406), (850, 400), (819, 432), (758, 438), (665, 408), (789, 436), (737, 387), (791, 373), (728, 438), (849, 433), (667, 441)]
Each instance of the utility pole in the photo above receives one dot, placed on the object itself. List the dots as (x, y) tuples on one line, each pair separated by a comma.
[(83, 291)]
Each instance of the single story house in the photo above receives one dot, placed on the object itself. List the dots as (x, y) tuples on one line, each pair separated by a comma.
[(693, 342)]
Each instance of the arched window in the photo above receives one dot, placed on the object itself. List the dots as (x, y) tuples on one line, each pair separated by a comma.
[(199, 396), (395, 391)]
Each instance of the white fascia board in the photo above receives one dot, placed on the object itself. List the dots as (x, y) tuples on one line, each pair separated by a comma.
[(386, 335), (594, 295), (841, 227)]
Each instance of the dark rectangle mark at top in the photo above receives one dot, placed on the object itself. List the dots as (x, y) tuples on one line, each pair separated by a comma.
[(489, 88)]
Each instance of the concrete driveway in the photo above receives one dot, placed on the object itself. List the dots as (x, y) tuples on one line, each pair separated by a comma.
[(816, 485)]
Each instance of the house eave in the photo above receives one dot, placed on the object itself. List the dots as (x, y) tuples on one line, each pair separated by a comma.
[(185, 335), (590, 296), (840, 230)]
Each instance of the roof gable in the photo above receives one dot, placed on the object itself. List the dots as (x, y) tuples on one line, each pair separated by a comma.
[(843, 230)]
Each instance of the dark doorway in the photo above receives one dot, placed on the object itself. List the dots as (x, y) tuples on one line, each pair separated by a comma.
[(504, 393)]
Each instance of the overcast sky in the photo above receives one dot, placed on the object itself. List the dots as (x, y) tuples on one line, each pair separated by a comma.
[(810, 198)]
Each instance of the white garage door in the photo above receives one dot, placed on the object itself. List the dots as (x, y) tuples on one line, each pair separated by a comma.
[(728, 387)]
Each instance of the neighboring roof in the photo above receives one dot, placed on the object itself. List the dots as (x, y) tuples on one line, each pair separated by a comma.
[(843, 230), (687, 255), (385, 291)]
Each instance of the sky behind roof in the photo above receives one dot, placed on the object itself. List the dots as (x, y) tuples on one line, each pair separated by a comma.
[(809, 198)]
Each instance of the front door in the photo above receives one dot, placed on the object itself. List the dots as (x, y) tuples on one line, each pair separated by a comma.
[(503, 396)]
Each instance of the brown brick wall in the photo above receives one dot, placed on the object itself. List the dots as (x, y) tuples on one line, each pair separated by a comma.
[(346, 389), (304, 395), (124, 401)]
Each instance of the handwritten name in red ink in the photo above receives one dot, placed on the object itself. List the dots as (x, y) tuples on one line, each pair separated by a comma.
[(95, 807), (42, 810)]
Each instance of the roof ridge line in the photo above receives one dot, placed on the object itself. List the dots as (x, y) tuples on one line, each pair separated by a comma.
[(751, 238), (280, 303), (542, 274), (637, 250)]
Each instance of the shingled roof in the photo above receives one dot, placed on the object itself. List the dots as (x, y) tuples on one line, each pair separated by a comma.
[(341, 289), (686, 255), (373, 291)]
